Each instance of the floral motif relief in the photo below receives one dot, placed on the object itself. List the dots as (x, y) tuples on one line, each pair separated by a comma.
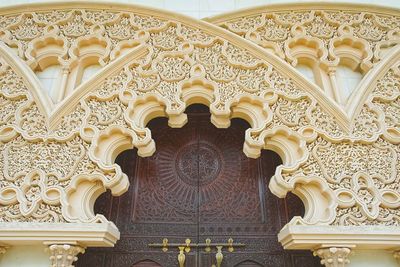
[(292, 113), (387, 87), (280, 27), (273, 32), (366, 125), (33, 122), (325, 123), (385, 98), (321, 28), (50, 158), (285, 85), (70, 124), (173, 69), (112, 85), (338, 161), (391, 110), (365, 194), (11, 84), (8, 110), (32, 186), (369, 30), (254, 80), (41, 159), (105, 113)]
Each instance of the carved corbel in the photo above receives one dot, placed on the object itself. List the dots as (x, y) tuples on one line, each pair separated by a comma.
[(333, 256), (2, 250), (64, 255)]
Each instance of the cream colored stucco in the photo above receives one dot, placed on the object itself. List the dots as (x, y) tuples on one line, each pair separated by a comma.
[(25, 256), (372, 258), (207, 8), (340, 152)]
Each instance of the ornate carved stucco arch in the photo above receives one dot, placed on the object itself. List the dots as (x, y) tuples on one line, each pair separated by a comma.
[(57, 157)]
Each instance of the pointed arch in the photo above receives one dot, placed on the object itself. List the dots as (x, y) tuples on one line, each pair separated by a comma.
[(33, 84), (363, 91), (216, 32)]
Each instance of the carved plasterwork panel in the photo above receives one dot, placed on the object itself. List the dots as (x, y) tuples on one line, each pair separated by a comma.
[(281, 28), (344, 167), (322, 37)]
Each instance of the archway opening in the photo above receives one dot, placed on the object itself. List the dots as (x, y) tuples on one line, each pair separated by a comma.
[(199, 184)]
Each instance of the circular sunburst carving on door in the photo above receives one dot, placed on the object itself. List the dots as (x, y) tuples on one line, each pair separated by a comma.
[(196, 170), (198, 160)]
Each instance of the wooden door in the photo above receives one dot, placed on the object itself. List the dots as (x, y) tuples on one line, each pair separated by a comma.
[(198, 185)]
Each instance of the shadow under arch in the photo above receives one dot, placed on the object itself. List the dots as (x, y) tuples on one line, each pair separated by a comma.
[(252, 208)]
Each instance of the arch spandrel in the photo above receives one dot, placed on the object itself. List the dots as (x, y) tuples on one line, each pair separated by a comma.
[(174, 62), (324, 34)]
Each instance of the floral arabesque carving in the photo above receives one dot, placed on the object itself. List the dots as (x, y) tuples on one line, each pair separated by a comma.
[(47, 159), (277, 29), (321, 38)]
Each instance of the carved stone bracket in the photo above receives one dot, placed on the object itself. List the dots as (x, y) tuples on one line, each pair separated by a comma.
[(333, 256), (64, 255), (2, 250)]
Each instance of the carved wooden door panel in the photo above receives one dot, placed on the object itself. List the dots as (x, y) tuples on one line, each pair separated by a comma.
[(198, 185)]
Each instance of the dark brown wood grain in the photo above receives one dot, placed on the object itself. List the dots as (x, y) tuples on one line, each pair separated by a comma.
[(198, 185)]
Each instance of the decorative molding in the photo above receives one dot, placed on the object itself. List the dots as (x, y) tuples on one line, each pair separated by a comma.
[(57, 160), (333, 256), (84, 234), (297, 236), (64, 255), (323, 37)]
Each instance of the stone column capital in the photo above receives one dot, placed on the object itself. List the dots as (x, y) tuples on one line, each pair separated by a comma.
[(63, 255), (333, 256)]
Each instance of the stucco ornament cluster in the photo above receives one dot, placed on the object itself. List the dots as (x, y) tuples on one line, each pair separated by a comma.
[(322, 37), (322, 30), (56, 158)]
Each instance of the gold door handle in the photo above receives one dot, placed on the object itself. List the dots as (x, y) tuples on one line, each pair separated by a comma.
[(181, 257), (219, 256), (188, 245)]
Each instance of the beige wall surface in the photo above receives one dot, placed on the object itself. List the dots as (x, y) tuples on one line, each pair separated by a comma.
[(207, 8), (21, 256)]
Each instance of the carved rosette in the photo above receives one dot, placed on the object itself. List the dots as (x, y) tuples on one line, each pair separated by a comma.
[(64, 255), (333, 257)]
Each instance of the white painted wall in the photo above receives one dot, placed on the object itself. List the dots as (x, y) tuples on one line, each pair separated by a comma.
[(206, 8), (25, 256), (373, 258)]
